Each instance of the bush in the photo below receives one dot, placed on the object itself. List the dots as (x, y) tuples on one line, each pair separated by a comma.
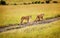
[(38, 2), (2, 2), (15, 4), (55, 2), (47, 2), (29, 3), (25, 3), (33, 2)]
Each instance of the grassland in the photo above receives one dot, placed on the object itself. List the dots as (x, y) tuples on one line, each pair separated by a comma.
[(19, 1), (11, 14), (50, 30)]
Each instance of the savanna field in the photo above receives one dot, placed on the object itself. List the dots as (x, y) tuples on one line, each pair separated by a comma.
[(51, 30), (11, 14)]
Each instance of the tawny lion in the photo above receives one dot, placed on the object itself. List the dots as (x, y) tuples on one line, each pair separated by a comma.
[(39, 17), (25, 18)]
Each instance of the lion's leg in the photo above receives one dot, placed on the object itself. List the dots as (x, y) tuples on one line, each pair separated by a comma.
[(21, 21), (42, 17), (27, 20), (39, 19), (36, 20)]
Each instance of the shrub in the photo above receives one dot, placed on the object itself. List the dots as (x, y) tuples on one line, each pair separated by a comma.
[(2, 2), (29, 3), (15, 4), (47, 2), (55, 2), (25, 3), (38, 2), (33, 2)]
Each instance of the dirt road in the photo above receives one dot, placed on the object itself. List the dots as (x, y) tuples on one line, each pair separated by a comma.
[(17, 26)]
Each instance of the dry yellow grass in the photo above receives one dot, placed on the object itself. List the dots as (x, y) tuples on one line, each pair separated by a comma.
[(11, 14), (51, 30)]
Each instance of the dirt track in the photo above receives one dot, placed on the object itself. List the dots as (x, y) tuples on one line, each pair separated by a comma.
[(17, 26)]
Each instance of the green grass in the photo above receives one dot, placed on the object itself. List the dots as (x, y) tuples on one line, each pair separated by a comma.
[(11, 14), (50, 30)]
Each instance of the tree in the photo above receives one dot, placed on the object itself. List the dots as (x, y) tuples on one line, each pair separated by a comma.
[(25, 3), (42, 2), (33, 2), (15, 4), (3, 2), (55, 2), (29, 3), (38, 2), (47, 2)]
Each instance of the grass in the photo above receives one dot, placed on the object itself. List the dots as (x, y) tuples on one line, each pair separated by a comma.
[(17, 1), (53, 17), (12, 14), (50, 30)]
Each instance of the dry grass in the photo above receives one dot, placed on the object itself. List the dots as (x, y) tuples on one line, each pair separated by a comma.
[(51, 30), (12, 14)]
